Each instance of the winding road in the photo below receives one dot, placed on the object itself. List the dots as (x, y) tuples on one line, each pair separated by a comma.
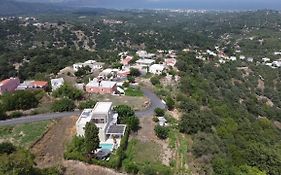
[(154, 100)]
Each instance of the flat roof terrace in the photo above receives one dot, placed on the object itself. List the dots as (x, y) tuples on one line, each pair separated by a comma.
[(102, 107)]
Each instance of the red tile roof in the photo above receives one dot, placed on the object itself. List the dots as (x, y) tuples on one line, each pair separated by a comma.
[(40, 83), (4, 81)]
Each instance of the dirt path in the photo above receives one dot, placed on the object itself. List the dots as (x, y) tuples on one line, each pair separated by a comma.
[(49, 150)]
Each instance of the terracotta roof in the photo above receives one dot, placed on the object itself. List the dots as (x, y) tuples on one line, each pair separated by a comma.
[(127, 60), (4, 81), (40, 83)]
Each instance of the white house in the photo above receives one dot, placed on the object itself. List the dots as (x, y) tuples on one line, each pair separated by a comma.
[(211, 53), (233, 58), (57, 83), (105, 119), (276, 63), (277, 53), (91, 63), (144, 54), (145, 62), (162, 121), (242, 57), (156, 69), (250, 59), (170, 62), (265, 59)]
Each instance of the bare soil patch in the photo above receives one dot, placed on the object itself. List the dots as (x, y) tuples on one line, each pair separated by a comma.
[(49, 150)]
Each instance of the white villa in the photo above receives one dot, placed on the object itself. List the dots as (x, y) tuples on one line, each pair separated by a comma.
[(91, 63), (57, 83), (144, 54), (157, 69), (145, 62), (106, 120)]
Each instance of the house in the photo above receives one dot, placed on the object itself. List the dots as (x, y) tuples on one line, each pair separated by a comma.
[(211, 53), (126, 61), (265, 59), (78, 66), (105, 119), (277, 53), (242, 57), (123, 73), (156, 69), (170, 62), (91, 63), (144, 54), (108, 73), (233, 58), (33, 85), (276, 63), (162, 121), (250, 59), (99, 86), (80, 86), (57, 83), (9, 85), (145, 62)]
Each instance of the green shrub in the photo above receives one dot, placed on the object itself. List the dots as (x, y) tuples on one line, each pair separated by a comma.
[(62, 105), (161, 132), (7, 148), (159, 112), (16, 114), (155, 119), (170, 103), (75, 150), (130, 167), (87, 104), (69, 92), (126, 115), (155, 169), (3, 114), (135, 72), (155, 80), (19, 100)]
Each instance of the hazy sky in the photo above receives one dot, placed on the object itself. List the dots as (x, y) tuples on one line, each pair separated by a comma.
[(194, 4)]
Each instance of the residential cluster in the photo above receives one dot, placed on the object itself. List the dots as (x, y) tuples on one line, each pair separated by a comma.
[(110, 80), (13, 84), (224, 58)]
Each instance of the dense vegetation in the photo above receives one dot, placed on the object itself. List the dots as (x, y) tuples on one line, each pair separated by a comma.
[(41, 51), (14, 160), (19, 100), (231, 128)]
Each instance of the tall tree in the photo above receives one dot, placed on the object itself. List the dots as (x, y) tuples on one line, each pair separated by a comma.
[(92, 140)]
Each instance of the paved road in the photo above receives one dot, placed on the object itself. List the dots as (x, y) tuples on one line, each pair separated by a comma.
[(155, 103), (36, 118)]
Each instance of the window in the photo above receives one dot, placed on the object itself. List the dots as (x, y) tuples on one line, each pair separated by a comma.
[(98, 120)]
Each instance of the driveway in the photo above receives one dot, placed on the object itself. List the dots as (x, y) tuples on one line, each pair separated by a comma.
[(154, 100)]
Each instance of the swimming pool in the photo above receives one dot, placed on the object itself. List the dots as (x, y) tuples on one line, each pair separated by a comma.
[(106, 146)]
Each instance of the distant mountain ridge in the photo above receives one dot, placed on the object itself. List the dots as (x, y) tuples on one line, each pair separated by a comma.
[(11, 7)]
